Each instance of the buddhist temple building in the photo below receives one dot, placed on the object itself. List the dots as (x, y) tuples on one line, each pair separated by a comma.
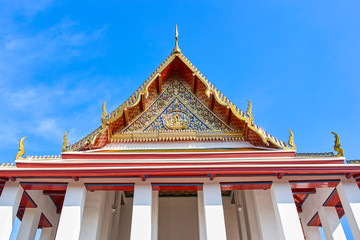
[(178, 160)]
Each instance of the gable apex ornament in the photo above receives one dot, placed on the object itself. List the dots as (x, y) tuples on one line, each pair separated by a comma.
[(176, 48), (21, 150), (337, 148)]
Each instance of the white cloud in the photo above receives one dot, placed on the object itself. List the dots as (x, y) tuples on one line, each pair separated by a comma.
[(43, 108), (26, 8), (49, 129)]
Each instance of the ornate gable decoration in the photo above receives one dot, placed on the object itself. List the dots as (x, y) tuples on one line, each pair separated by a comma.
[(175, 111)]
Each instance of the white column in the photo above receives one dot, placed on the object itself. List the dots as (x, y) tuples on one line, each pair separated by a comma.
[(309, 208), (349, 194), (250, 215), (141, 215), (311, 232), (201, 215), (155, 215), (9, 205), (72, 212), (331, 224), (242, 216), (29, 224), (93, 215), (46, 233), (108, 216), (285, 210), (231, 223), (125, 220), (47, 207), (114, 231), (214, 213), (265, 215), (49, 233)]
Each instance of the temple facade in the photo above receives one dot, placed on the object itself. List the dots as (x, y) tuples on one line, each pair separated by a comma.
[(178, 160)]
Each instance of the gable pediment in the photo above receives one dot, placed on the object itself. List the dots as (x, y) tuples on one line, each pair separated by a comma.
[(195, 109)]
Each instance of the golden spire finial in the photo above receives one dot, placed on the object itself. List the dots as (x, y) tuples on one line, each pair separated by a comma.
[(249, 111), (176, 48), (65, 142), (21, 150), (291, 140), (337, 148)]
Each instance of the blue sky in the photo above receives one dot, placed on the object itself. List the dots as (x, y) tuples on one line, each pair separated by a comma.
[(297, 61)]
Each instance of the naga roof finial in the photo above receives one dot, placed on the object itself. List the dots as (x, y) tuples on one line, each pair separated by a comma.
[(291, 141), (104, 112), (337, 148), (176, 48), (65, 142), (21, 150), (249, 111)]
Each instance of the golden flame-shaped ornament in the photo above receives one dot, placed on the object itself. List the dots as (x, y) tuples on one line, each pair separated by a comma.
[(65, 142), (21, 150), (337, 148)]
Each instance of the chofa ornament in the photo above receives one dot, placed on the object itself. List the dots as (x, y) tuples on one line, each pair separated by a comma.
[(176, 120)]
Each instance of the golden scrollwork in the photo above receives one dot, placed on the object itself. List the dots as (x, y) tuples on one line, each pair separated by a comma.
[(249, 111), (291, 141), (65, 142), (21, 150), (337, 148)]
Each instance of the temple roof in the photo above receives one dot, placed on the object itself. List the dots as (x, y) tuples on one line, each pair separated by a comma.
[(178, 103)]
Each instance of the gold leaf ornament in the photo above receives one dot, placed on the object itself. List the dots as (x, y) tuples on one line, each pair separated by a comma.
[(249, 111), (104, 111), (21, 150), (65, 142), (291, 141), (337, 146)]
